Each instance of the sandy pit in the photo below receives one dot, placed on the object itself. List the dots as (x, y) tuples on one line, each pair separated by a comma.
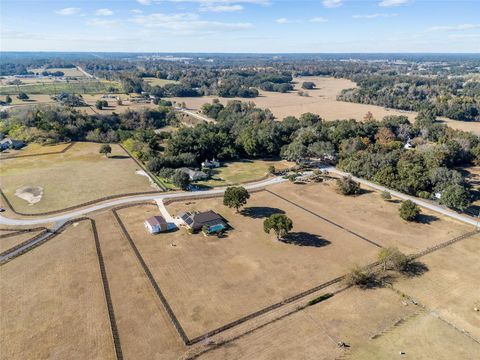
[(31, 194)]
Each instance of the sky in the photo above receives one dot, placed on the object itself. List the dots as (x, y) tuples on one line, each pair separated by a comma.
[(247, 26)]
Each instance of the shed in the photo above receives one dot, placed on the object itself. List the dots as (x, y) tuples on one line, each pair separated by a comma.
[(156, 224)]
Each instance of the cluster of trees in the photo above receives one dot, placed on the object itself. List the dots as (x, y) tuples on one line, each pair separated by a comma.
[(57, 73), (53, 123), (71, 100), (456, 98)]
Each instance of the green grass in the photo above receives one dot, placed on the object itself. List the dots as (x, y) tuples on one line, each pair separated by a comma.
[(156, 81), (79, 87), (238, 172)]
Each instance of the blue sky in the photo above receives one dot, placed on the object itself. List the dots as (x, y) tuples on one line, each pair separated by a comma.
[(240, 25)]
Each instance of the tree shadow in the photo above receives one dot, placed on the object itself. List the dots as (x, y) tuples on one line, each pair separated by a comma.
[(426, 219), (305, 239), (118, 157), (260, 212), (414, 269)]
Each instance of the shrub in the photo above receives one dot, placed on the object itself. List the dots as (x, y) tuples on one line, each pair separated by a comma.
[(456, 197), (386, 195), (358, 277), (409, 211), (347, 186)]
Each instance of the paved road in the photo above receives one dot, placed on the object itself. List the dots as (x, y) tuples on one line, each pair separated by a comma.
[(427, 205), (117, 202), (160, 197), (195, 115)]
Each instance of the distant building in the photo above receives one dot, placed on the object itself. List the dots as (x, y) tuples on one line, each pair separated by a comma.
[(194, 175), (11, 144), (156, 224), (209, 221), (211, 164)]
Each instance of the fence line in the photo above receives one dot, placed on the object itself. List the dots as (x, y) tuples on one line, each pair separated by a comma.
[(41, 154)]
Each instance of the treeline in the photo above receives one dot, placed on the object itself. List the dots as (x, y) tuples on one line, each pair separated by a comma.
[(52, 124), (416, 159), (454, 98)]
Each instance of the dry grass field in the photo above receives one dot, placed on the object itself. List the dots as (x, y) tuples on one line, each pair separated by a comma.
[(153, 81), (322, 101), (371, 216), (423, 337), (69, 72), (33, 149), (451, 286), (210, 282), (53, 303), (144, 327), (11, 241), (352, 316), (79, 175), (238, 172)]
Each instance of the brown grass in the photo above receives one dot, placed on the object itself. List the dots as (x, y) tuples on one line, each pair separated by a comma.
[(145, 329), (53, 303), (81, 174), (245, 271), (11, 241), (322, 101), (450, 287)]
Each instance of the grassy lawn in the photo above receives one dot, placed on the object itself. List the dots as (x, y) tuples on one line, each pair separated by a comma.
[(80, 87), (244, 171), (79, 175), (33, 149), (156, 81)]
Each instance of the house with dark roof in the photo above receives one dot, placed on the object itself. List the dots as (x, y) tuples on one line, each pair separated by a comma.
[(208, 221), (156, 224), (11, 144), (194, 175)]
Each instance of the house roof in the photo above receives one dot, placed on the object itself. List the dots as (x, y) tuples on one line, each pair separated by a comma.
[(199, 219), (156, 220)]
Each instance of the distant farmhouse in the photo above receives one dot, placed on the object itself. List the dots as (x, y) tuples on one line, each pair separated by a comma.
[(194, 175), (211, 164), (208, 221), (11, 144)]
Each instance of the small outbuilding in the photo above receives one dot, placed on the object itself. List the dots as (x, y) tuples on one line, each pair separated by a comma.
[(156, 224), (11, 144), (211, 164)]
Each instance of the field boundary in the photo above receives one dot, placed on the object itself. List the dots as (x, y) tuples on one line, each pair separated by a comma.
[(68, 147), (74, 207), (16, 232), (101, 264), (23, 243), (326, 220), (187, 341), (139, 163)]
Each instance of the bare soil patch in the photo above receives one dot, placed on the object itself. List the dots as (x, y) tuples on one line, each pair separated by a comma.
[(31, 194), (53, 303)]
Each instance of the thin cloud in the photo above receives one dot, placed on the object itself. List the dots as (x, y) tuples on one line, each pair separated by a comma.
[(221, 8), (390, 3), (332, 3), (318, 19), (186, 23), (144, 2), (68, 11), (103, 23), (455, 27), (104, 12), (373, 16)]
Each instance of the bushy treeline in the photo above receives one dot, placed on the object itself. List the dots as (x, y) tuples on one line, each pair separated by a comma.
[(455, 98), (51, 124)]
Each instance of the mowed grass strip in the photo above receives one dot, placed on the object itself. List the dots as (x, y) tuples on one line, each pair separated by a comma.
[(79, 175), (53, 302)]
